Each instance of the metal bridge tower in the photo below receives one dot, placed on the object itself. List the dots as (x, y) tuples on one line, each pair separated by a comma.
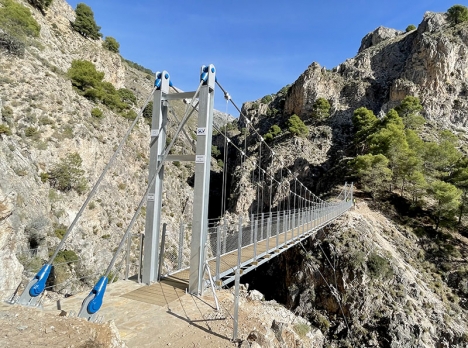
[(202, 160), (154, 199)]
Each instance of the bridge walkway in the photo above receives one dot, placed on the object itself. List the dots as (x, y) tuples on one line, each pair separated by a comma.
[(251, 256)]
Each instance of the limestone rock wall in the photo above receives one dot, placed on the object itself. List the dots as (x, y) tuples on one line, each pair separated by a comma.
[(429, 63)]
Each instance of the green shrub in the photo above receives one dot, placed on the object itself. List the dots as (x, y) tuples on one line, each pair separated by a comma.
[(84, 75), (67, 256), (85, 23), (321, 108), (67, 132), (112, 277), (4, 129), (320, 321), (410, 27), (31, 264), (272, 133), (41, 5), (457, 14), (139, 67), (44, 121), (285, 89), (60, 230), (44, 177), (67, 174), (297, 127), (111, 44), (148, 110), (378, 266), (16, 20), (268, 137), (7, 113), (96, 112), (266, 99), (127, 96), (30, 132), (302, 329), (215, 152), (130, 115)]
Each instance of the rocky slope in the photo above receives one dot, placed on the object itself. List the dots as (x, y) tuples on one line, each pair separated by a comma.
[(429, 63), (333, 281), (370, 280), (49, 120)]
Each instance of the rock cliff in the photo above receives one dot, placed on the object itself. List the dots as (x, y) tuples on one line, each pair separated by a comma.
[(49, 120), (429, 63)]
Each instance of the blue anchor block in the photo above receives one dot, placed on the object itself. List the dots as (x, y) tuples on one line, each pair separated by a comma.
[(41, 277), (99, 289)]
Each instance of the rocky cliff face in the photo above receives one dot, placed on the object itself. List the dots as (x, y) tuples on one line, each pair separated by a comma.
[(333, 281), (429, 63), (49, 120), (368, 280)]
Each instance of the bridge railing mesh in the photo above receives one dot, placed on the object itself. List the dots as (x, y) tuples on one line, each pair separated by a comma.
[(260, 235)]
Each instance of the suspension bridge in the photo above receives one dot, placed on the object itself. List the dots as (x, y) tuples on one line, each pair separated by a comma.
[(209, 253)]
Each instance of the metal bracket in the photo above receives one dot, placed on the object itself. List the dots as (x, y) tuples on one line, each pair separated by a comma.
[(93, 302), (30, 296)]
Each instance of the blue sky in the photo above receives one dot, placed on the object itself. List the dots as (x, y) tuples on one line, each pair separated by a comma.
[(257, 46)]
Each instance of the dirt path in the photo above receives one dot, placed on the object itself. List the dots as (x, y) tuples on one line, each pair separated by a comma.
[(188, 321)]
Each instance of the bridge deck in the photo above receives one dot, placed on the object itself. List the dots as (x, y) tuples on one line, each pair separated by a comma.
[(175, 285)]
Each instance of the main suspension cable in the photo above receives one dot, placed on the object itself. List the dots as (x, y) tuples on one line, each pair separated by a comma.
[(101, 177)]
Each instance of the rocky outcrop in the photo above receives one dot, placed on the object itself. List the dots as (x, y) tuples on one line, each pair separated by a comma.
[(10, 268), (429, 63), (330, 281), (48, 120), (377, 36)]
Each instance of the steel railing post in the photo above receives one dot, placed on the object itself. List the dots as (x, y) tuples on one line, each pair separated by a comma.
[(127, 259), (224, 236), (218, 252), (239, 244), (142, 237), (268, 233), (278, 218), (262, 237), (255, 240), (181, 245), (161, 254), (236, 305), (286, 226), (252, 224)]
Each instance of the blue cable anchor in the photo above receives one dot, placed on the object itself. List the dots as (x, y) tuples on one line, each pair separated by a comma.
[(93, 302), (30, 295), (157, 82)]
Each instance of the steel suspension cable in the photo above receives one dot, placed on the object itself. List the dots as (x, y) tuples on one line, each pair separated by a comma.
[(101, 177), (242, 114)]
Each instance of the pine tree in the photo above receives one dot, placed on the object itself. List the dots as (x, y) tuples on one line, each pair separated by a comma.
[(457, 14), (374, 173), (321, 109), (111, 44), (409, 110), (297, 127), (85, 23), (447, 199)]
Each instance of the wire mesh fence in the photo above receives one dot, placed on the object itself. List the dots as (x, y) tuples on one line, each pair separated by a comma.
[(233, 245)]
